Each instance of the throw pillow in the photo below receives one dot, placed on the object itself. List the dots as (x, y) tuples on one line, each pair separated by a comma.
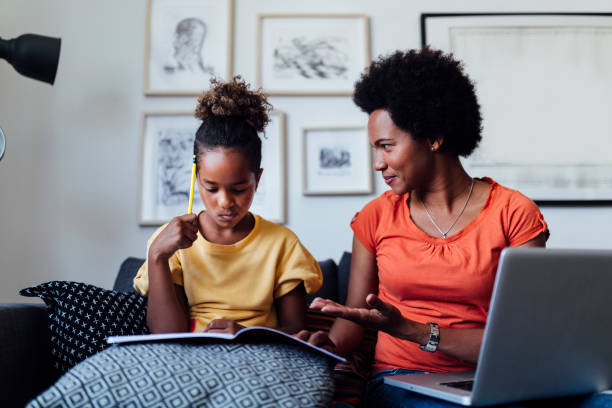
[(188, 375), (81, 316)]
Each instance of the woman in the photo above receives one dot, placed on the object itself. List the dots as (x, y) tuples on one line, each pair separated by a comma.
[(425, 253)]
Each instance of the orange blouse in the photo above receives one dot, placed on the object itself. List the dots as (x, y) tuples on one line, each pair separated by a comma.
[(448, 281)]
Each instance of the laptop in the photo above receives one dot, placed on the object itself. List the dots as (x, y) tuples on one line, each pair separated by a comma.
[(548, 332)]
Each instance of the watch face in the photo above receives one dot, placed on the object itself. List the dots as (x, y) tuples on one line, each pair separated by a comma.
[(2, 143)]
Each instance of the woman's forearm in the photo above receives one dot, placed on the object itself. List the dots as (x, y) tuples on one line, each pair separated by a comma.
[(460, 343), (166, 311)]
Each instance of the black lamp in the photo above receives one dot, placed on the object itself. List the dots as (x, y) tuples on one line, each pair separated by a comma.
[(34, 56)]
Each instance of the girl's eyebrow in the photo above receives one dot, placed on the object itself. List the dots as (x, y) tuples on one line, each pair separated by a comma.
[(235, 184)]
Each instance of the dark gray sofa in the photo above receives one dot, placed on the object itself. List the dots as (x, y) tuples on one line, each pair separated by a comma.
[(25, 352)]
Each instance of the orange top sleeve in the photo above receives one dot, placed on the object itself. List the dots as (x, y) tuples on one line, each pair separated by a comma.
[(444, 280)]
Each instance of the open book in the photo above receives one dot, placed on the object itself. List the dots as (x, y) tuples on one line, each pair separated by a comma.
[(253, 333)]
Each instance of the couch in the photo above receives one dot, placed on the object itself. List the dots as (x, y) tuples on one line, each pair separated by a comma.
[(25, 347)]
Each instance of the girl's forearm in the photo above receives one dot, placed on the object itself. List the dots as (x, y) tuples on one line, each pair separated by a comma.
[(166, 313)]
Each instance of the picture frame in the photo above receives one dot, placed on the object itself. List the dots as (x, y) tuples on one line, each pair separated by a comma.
[(165, 166), (336, 161), (187, 43), (311, 54), (545, 114), (166, 162), (271, 195)]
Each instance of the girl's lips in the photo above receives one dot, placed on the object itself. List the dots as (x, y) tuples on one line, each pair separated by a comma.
[(227, 217)]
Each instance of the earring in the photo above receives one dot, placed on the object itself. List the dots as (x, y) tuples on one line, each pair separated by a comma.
[(433, 149)]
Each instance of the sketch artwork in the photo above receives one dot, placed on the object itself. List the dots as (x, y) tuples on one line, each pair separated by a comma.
[(311, 54), (337, 161), (167, 159), (319, 57), (188, 43)]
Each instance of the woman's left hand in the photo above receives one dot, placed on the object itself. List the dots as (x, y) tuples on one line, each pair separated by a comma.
[(380, 316), (223, 326)]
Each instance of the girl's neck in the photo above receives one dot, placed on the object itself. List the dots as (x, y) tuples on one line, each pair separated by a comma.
[(212, 232)]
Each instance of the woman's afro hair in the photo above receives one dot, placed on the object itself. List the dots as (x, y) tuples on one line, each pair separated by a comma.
[(427, 94)]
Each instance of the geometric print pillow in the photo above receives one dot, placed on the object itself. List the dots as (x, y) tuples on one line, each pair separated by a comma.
[(81, 316), (195, 375)]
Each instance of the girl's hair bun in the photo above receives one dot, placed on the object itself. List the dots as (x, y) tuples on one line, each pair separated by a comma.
[(234, 99)]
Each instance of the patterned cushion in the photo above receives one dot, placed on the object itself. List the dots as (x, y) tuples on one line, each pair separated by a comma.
[(190, 375), (81, 316)]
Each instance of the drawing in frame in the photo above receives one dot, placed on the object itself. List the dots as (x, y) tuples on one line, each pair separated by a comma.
[(187, 43), (270, 197), (311, 54), (336, 161), (165, 166), (166, 161), (544, 83)]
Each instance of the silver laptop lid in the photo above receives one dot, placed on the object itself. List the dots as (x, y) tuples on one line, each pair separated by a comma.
[(549, 329)]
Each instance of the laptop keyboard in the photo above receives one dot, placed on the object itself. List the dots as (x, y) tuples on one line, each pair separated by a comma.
[(462, 385)]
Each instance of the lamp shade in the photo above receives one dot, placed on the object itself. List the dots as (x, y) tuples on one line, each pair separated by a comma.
[(34, 56)]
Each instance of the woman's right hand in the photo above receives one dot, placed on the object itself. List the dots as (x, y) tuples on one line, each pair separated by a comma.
[(318, 338), (180, 233)]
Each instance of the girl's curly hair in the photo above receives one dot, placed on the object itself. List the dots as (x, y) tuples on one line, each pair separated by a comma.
[(231, 115), (427, 94)]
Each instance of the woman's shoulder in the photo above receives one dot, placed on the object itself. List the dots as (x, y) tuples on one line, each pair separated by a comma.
[(507, 197)]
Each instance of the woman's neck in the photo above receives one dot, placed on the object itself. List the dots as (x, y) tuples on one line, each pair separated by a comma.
[(447, 188)]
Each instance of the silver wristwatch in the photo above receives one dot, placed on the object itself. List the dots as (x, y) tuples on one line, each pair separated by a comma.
[(434, 338)]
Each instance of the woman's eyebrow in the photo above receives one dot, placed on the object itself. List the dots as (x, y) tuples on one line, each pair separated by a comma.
[(381, 140)]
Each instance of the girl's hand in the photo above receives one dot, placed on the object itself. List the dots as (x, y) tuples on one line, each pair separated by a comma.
[(180, 233), (380, 316), (223, 326), (318, 338)]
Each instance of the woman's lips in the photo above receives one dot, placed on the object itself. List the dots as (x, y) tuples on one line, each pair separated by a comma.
[(389, 179)]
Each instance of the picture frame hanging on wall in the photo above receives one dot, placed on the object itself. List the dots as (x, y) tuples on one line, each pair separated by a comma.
[(270, 197), (336, 161), (311, 54), (165, 166), (187, 43), (544, 82)]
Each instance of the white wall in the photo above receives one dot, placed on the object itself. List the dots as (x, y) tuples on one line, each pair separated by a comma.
[(69, 180)]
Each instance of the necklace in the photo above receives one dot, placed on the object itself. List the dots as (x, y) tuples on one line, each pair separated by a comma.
[(445, 233)]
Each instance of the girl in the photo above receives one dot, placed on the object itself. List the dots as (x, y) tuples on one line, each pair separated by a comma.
[(226, 268)]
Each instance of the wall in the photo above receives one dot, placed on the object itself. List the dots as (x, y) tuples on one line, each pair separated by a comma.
[(69, 180)]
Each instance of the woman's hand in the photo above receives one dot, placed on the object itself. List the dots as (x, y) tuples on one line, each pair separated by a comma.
[(223, 326), (180, 233), (379, 316), (318, 338)]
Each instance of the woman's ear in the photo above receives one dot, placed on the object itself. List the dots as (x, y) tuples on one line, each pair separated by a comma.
[(258, 177), (436, 144)]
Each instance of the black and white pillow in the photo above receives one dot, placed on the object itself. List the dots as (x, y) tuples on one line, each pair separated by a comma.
[(195, 375), (82, 316)]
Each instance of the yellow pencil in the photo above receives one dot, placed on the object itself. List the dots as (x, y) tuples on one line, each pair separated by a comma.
[(193, 176)]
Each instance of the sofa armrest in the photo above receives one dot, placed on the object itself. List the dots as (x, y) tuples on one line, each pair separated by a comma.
[(25, 353)]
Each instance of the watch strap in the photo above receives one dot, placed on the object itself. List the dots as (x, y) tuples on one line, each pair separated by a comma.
[(434, 338)]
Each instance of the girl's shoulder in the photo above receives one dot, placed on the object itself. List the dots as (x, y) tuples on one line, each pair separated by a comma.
[(269, 228)]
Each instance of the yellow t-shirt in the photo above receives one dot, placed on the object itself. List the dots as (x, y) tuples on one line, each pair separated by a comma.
[(239, 281)]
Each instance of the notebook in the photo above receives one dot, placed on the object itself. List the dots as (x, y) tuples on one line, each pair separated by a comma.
[(548, 332)]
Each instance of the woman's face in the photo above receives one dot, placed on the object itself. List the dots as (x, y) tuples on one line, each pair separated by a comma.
[(226, 185), (404, 162)]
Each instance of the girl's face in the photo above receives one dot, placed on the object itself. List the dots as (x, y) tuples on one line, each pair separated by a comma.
[(226, 185), (404, 162)]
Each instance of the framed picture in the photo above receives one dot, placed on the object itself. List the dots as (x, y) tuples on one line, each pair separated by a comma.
[(166, 162), (311, 54), (270, 198), (544, 82), (187, 43), (337, 161)]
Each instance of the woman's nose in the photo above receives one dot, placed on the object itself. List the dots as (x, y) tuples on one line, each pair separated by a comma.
[(379, 163)]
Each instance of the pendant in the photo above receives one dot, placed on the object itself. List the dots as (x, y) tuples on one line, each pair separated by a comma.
[(443, 235)]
